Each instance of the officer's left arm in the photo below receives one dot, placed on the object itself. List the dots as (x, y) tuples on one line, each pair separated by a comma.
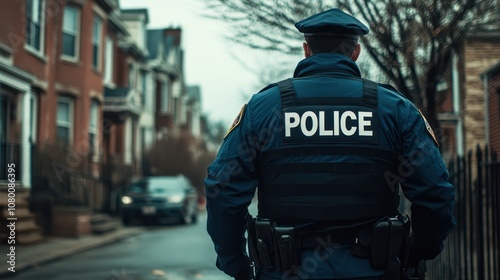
[(426, 184), (230, 187)]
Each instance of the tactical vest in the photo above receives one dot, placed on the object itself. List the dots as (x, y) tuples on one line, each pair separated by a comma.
[(312, 189)]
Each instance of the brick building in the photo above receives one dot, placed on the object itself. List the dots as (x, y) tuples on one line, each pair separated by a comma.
[(462, 111), (60, 45), (54, 50)]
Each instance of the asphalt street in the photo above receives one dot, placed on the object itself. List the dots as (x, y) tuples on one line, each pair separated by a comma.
[(166, 252)]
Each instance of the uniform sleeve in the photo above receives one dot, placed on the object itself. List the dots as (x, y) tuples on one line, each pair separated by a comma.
[(425, 183), (230, 187)]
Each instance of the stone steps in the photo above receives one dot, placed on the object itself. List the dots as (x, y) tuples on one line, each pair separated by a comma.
[(102, 223), (21, 199), (20, 213), (27, 231)]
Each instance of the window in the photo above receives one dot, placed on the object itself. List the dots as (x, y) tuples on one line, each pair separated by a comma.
[(96, 42), (108, 66), (94, 118), (164, 98), (71, 32), (64, 120), (35, 24)]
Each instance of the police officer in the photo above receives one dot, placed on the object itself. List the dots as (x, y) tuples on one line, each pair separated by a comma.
[(328, 152)]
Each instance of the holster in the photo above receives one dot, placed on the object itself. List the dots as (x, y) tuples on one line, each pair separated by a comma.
[(271, 247), (390, 245)]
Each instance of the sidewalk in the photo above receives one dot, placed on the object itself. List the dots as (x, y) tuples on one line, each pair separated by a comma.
[(57, 247)]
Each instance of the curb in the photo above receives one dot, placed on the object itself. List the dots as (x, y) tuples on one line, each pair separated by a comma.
[(72, 250)]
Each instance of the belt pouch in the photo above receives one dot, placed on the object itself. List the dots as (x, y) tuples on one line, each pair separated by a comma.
[(265, 243), (287, 247), (393, 270), (380, 243)]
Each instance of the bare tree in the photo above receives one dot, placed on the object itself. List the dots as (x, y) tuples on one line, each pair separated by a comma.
[(411, 41), (180, 154)]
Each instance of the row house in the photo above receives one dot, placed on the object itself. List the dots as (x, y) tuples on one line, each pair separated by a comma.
[(127, 102), (462, 92), (56, 48), (52, 92), (86, 89), (166, 60)]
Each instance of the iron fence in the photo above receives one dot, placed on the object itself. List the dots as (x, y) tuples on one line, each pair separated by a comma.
[(472, 250)]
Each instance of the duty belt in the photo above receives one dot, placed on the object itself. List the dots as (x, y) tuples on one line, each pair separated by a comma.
[(317, 240)]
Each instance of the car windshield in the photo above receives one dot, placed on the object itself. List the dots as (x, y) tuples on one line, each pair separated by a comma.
[(157, 186)]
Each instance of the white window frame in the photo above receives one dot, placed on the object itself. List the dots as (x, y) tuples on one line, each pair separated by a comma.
[(94, 130), (127, 153), (144, 87), (76, 34), (41, 19), (97, 41), (164, 97), (34, 118), (70, 124), (109, 61)]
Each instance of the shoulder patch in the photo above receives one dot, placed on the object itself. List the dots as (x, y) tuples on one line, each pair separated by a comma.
[(429, 128), (236, 121)]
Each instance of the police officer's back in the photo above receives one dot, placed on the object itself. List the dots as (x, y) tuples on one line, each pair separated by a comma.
[(327, 151)]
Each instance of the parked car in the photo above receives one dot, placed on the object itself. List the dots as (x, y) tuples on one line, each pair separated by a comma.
[(158, 198)]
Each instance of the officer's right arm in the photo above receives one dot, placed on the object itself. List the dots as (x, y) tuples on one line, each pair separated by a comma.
[(425, 183)]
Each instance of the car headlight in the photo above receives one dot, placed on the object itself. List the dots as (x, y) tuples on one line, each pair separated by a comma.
[(176, 198), (126, 200)]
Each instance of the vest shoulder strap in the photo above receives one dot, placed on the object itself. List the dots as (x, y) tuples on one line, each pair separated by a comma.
[(289, 95)]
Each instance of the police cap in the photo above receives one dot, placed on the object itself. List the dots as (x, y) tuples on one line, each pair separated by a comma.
[(332, 23)]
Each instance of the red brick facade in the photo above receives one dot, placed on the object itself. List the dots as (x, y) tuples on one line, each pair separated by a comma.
[(54, 75)]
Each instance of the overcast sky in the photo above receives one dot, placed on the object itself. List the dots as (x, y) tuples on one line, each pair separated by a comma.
[(209, 58)]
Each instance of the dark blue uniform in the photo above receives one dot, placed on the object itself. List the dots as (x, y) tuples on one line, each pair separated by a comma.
[(395, 126)]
